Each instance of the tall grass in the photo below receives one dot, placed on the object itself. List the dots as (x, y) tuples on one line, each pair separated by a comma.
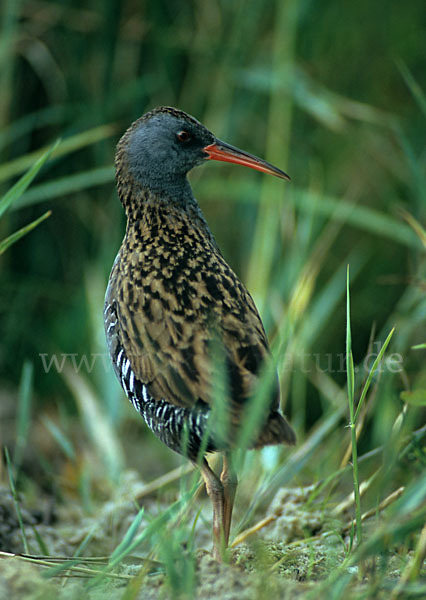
[(341, 108)]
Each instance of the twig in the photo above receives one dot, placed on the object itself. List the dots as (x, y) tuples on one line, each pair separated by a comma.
[(169, 477), (16, 500)]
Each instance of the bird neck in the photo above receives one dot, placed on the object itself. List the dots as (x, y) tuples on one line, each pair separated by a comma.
[(149, 213)]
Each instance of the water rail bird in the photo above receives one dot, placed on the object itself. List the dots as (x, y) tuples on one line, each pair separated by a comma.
[(172, 301)]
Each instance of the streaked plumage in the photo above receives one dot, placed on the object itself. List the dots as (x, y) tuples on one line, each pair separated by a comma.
[(172, 299)]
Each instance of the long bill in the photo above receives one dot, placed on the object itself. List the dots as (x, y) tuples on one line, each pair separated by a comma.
[(221, 151)]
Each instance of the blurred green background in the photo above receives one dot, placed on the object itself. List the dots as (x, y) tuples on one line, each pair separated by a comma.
[(329, 91)]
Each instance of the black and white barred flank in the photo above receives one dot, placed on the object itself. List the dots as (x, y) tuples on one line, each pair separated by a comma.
[(182, 429)]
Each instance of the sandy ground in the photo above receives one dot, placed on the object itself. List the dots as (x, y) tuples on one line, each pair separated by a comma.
[(285, 559)]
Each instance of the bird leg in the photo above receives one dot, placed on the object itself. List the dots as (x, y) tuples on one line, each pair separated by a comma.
[(222, 493), (229, 480), (215, 490)]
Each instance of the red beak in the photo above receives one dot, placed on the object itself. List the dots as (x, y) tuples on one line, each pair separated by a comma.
[(222, 151)]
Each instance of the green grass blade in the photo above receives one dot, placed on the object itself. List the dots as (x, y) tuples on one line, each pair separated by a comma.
[(129, 536), (255, 408), (419, 347), (280, 113), (156, 526), (40, 541), (31, 122), (24, 412), (68, 145), (349, 357), (70, 184), (412, 85), (371, 374), (20, 186), (82, 546), (14, 237), (415, 225), (16, 500), (352, 423), (414, 398), (313, 202), (298, 459), (73, 562), (61, 439), (413, 499), (57, 569), (101, 432)]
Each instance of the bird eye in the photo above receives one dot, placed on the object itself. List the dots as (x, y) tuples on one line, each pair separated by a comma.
[(184, 136)]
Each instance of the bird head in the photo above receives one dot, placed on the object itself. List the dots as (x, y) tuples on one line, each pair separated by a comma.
[(160, 148)]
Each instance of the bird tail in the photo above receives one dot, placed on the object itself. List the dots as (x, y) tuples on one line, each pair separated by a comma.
[(276, 431)]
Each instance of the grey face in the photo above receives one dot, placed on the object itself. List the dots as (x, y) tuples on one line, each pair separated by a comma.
[(165, 147)]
